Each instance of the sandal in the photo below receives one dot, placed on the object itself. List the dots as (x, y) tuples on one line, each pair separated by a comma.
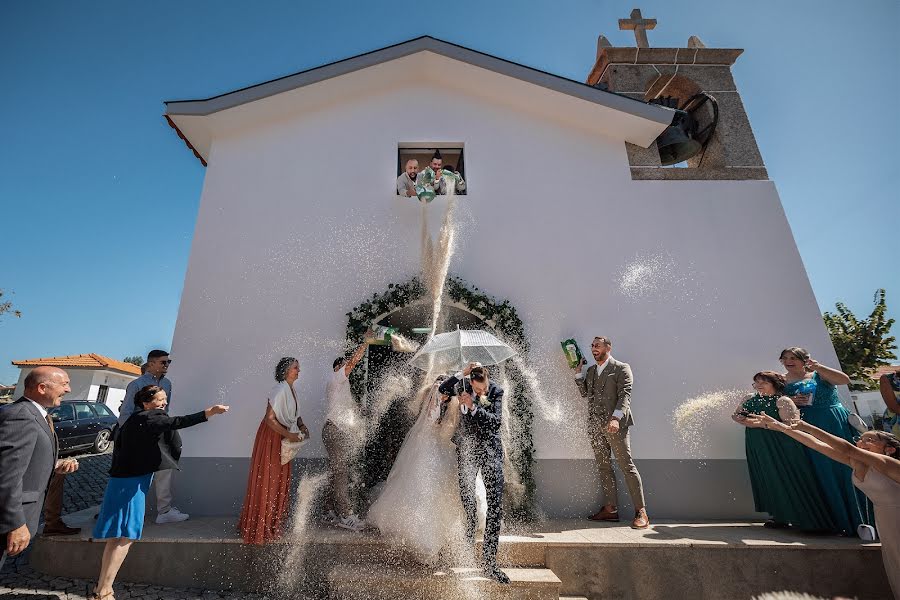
[(97, 596)]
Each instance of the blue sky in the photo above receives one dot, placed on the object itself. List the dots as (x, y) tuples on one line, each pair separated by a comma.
[(98, 197)]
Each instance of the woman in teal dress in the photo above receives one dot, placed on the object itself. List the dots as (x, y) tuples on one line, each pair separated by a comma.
[(781, 474), (812, 387), (889, 384)]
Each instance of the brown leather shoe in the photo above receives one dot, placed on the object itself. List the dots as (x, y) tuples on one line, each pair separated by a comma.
[(641, 520), (605, 515), (61, 529)]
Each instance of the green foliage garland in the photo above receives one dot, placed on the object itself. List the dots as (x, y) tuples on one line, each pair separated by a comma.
[(505, 322)]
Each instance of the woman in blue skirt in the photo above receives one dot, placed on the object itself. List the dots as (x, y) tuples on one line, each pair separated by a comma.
[(146, 443)]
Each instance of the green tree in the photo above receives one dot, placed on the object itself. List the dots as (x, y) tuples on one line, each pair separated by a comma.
[(135, 360), (7, 307), (862, 345)]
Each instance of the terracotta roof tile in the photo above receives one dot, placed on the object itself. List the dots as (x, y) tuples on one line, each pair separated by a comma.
[(885, 370), (92, 361)]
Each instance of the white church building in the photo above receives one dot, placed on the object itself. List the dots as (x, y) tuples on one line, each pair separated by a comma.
[(691, 270)]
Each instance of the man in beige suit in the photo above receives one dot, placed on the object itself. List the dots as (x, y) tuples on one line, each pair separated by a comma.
[(607, 386)]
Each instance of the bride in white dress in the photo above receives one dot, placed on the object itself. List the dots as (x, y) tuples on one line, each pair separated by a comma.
[(420, 505)]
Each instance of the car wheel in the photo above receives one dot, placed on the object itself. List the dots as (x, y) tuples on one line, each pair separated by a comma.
[(101, 443)]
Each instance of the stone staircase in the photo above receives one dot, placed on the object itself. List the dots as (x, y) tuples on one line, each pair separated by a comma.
[(368, 582), (699, 560)]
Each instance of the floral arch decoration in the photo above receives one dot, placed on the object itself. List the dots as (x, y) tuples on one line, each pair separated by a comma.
[(503, 319)]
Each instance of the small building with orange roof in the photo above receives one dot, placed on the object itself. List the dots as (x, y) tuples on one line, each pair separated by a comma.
[(93, 377)]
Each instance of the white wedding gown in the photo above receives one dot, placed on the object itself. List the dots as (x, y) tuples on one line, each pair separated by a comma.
[(420, 505)]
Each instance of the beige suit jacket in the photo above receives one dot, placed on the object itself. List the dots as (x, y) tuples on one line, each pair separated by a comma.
[(608, 391)]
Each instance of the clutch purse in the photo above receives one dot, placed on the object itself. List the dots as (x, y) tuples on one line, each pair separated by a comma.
[(866, 533), (290, 449)]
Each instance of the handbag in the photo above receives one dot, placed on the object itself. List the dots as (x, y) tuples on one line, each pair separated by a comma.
[(867, 533), (290, 449)]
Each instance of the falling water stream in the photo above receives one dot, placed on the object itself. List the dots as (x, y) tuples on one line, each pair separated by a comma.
[(436, 256)]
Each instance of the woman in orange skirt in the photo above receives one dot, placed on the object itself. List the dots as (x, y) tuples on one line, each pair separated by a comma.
[(269, 483)]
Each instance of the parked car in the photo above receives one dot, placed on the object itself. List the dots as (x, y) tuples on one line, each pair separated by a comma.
[(81, 424)]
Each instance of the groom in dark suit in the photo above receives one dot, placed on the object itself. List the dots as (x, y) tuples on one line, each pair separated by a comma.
[(28, 450), (478, 448)]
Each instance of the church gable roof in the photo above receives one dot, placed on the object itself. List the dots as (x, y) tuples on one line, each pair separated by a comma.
[(182, 115), (421, 44)]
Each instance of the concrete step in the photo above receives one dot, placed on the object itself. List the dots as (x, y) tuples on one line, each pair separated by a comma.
[(342, 547), (405, 583), (372, 550)]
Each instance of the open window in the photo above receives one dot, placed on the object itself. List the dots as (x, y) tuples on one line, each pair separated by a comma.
[(452, 158)]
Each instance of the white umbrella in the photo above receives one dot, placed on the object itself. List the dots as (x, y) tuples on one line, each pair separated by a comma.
[(454, 350)]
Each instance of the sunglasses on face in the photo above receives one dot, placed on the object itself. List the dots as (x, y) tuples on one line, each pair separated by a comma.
[(165, 362)]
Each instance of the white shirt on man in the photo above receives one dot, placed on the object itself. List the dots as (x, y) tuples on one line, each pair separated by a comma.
[(40, 407), (340, 407)]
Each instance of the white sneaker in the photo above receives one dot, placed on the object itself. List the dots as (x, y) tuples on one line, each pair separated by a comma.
[(173, 515), (352, 522), (330, 518)]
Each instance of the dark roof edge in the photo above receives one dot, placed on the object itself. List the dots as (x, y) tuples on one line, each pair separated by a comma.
[(202, 107), (186, 141)]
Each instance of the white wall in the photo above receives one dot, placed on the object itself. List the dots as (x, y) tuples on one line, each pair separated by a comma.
[(294, 230), (869, 403), (116, 382)]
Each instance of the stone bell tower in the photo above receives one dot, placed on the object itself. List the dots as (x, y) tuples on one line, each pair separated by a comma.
[(675, 75)]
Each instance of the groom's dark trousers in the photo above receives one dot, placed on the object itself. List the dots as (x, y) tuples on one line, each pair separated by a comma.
[(479, 448), (471, 459)]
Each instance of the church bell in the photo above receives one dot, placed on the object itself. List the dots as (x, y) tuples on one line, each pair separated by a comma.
[(685, 138), (677, 144)]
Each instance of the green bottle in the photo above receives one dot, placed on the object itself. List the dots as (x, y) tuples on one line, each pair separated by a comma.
[(572, 352), (381, 335)]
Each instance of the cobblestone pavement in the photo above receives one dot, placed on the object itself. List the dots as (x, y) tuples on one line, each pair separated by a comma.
[(83, 489)]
